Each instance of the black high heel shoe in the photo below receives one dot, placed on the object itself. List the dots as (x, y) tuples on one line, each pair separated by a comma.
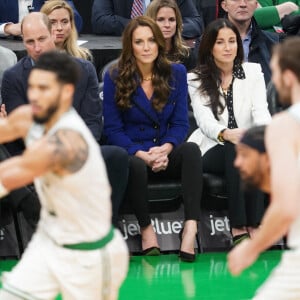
[(151, 251), (237, 239), (185, 256)]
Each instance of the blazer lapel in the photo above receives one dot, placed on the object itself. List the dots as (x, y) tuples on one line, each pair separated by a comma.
[(239, 91), (145, 106)]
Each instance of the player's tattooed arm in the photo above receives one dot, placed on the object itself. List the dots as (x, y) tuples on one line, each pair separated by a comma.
[(70, 151)]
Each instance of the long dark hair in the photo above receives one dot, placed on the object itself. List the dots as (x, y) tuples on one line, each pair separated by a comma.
[(128, 74), (207, 71)]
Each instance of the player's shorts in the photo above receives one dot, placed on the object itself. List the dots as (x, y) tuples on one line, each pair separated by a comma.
[(46, 269), (284, 281)]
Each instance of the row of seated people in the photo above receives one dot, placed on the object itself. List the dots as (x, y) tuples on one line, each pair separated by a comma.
[(257, 43), (109, 17), (20, 84)]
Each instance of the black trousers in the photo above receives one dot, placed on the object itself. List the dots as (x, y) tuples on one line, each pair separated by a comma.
[(117, 165), (246, 207), (185, 163)]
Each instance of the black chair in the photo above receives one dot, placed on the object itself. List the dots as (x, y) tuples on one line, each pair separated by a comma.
[(273, 99), (106, 68)]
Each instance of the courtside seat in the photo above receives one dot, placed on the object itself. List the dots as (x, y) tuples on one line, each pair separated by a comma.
[(214, 192)]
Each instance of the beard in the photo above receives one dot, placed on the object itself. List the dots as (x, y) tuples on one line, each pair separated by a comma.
[(252, 181), (51, 110)]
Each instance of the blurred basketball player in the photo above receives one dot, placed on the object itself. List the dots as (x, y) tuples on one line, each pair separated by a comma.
[(75, 250), (283, 214)]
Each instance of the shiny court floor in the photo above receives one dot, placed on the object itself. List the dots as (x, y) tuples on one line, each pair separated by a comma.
[(167, 278)]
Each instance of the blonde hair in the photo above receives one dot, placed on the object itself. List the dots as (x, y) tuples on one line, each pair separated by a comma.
[(179, 49), (70, 44)]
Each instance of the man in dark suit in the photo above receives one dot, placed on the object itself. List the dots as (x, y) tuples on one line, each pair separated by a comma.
[(37, 38), (10, 17), (109, 17), (7, 59)]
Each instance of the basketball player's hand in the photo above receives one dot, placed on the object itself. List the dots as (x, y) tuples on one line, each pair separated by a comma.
[(241, 257), (3, 113)]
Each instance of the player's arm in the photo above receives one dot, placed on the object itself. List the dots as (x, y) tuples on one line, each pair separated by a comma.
[(285, 182), (16, 124), (63, 153), (285, 190)]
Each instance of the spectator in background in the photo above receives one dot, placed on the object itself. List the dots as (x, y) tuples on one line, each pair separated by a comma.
[(227, 97), (145, 112), (210, 10), (168, 17), (37, 39), (13, 11), (7, 59), (270, 13), (61, 16), (257, 43), (109, 17)]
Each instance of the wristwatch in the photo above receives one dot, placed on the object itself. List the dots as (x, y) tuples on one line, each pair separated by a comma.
[(220, 136)]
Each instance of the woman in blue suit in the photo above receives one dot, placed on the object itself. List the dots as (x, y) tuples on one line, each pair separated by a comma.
[(145, 112), (10, 18)]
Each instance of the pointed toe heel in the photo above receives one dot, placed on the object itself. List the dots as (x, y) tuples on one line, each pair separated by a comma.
[(152, 251), (185, 256)]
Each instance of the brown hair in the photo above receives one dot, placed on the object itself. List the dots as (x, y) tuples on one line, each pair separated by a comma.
[(128, 76), (179, 49), (70, 44)]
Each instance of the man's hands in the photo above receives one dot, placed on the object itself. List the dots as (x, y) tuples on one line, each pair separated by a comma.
[(157, 157), (13, 29)]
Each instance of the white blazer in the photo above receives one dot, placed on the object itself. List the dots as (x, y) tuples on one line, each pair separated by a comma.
[(249, 105)]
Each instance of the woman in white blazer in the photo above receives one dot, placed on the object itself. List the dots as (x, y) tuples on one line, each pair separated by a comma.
[(227, 97)]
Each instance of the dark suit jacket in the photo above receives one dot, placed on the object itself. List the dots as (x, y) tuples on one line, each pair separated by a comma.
[(9, 11), (141, 127), (86, 98), (109, 17)]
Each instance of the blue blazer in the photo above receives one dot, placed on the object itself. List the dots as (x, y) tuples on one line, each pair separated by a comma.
[(109, 17), (86, 97), (141, 127), (9, 11)]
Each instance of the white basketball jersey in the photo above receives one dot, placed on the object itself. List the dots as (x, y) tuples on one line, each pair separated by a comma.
[(76, 207), (294, 232)]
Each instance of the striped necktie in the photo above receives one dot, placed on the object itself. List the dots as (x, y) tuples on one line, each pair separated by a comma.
[(137, 8)]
